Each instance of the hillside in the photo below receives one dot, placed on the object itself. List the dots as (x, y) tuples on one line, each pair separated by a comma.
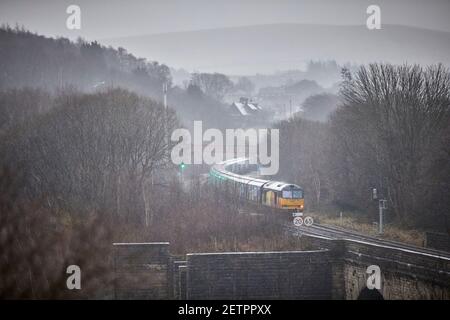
[(36, 61), (268, 48), (32, 60)]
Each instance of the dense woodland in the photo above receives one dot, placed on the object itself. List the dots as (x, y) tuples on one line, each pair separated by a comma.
[(85, 159), (100, 147), (390, 132), (85, 162), (31, 60)]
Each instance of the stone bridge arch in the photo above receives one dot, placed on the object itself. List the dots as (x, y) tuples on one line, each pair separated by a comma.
[(370, 294)]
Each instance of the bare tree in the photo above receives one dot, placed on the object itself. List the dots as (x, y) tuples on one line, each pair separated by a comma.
[(245, 85), (388, 132), (215, 85), (304, 157), (95, 151)]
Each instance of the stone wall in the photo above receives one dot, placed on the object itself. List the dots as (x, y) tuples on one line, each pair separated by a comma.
[(439, 241), (405, 275), (260, 275), (336, 270), (179, 280), (143, 270)]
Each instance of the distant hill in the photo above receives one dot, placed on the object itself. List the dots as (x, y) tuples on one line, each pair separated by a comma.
[(32, 60), (268, 48)]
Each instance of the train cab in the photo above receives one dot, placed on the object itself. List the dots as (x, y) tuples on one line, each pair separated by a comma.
[(283, 196)]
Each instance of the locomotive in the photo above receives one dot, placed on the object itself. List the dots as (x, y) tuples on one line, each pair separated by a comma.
[(275, 194)]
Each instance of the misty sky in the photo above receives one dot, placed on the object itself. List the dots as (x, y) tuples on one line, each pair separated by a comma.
[(115, 18)]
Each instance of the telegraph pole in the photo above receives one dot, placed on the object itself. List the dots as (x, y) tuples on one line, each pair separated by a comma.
[(380, 222), (166, 116), (165, 95), (182, 167), (290, 108)]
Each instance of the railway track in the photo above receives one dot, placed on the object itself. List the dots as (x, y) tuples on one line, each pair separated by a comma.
[(333, 232), (247, 182)]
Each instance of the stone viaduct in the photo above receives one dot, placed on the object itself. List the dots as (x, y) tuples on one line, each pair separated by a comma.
[(336, 269)]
